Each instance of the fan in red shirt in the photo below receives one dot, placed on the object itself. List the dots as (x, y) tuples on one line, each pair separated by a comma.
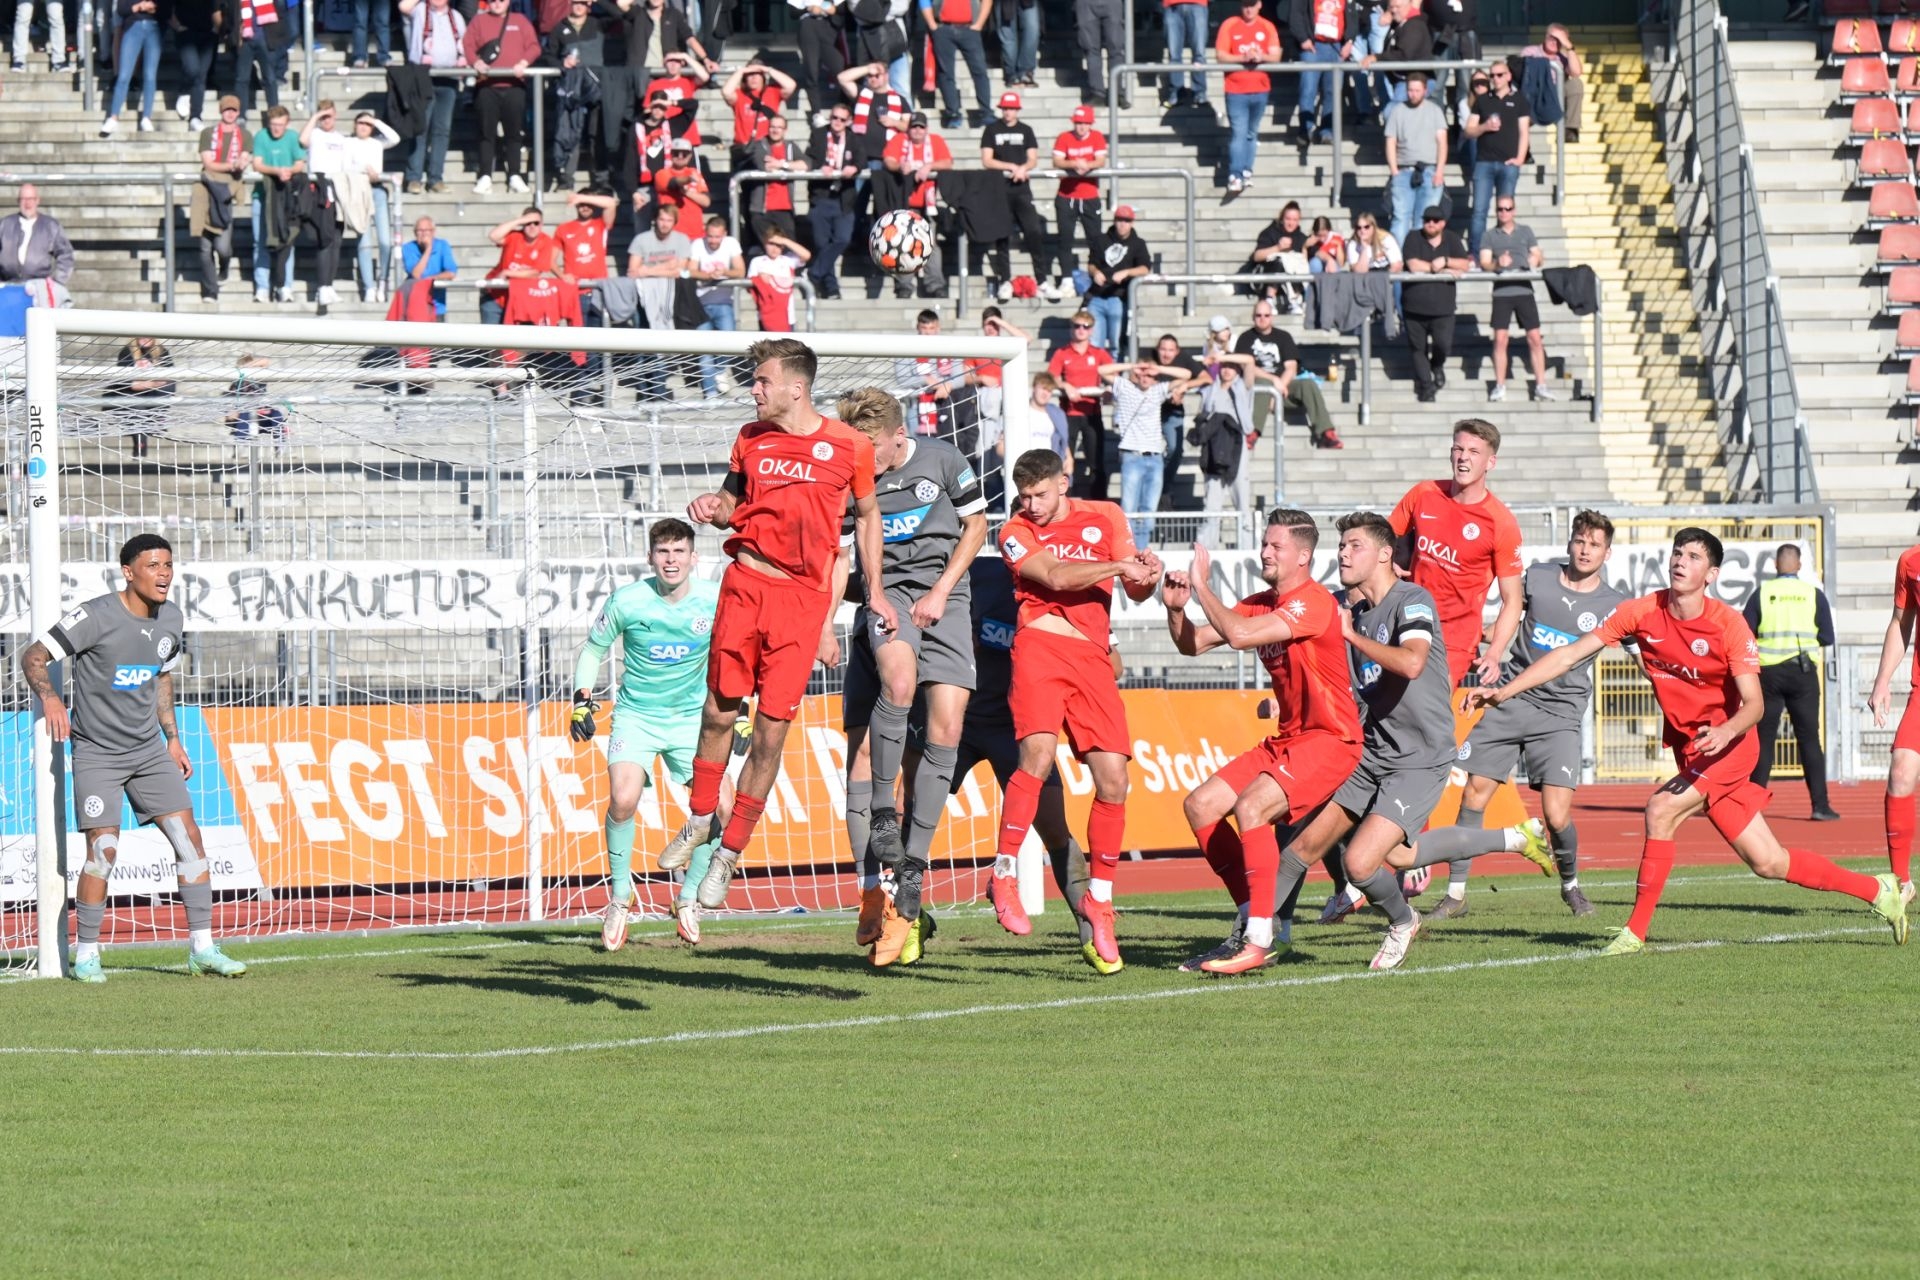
[(1456, 538), (916, 156), (1294, 626), (1065, 555), (1079, 150), (525, 251), (1076, 367), (683, 186), (785, 495), (755, 92), (1705, 670), (681, 82), (1903, 772), (583, 245), (542, 301)]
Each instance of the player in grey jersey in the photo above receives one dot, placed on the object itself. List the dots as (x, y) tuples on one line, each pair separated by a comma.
[(125, 646), (1400, 673), (933, 515), (1565, 599)]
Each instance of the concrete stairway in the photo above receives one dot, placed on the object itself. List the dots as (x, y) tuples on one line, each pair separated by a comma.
[(1842, 345)]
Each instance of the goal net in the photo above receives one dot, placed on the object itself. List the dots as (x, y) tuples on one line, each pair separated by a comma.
[(390, 542)]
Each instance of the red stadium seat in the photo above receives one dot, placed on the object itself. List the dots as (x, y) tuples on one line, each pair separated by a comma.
[(1893, 202), (1906, 344), (1913, 379), (1875, 118), (1883, 160), (1903, 290), (1904, 40), (1863, 78), (1855, 38), (1906, 79), (1899, 245)]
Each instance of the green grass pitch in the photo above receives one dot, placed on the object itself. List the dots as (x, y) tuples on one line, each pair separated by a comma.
[(1736, 1103)]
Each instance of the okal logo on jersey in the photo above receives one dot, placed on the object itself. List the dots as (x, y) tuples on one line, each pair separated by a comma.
[(787, 468), (130, 678), (1439, 551)]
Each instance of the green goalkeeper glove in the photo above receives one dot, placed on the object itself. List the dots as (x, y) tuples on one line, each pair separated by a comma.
[(581, 725)]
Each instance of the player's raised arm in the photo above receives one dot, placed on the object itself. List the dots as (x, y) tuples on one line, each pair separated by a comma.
[(1893, 649), (716, 508), (1235, 630), (34, 661), (1551, 667), (1055, 574), (869, 535)]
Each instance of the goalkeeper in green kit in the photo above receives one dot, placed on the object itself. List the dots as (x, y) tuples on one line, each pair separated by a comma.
[(665, 626)]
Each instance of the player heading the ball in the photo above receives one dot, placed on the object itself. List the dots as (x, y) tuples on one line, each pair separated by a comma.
[(125, 647), (781, 505)]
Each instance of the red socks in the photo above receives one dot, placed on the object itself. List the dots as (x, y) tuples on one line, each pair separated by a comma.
[(1106, 828), (746, 815), (705, 796), (1900, 823), (1656, 860), (1221, 843), (1017, 807), (1262, 845), (1810, 870)]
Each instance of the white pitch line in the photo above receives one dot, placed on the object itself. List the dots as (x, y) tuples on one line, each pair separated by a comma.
[(897, 1019)]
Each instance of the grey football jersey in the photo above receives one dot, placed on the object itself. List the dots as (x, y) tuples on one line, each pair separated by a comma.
[(1409, 722), (921, 504), (117, 663), (1556, 617)]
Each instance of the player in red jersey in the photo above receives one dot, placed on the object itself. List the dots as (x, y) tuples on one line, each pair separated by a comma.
[(1065, 554), (1700, 657), (1456, 538), (1903, 771), (782, 504), (1294, 625)]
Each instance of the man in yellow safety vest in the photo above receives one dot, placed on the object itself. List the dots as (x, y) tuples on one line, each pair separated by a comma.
[(1792, 622)]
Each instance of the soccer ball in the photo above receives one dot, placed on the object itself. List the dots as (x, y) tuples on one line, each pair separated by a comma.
[(900, 242)]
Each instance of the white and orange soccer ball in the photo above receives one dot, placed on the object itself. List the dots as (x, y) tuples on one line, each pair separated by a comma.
[(900, 242)]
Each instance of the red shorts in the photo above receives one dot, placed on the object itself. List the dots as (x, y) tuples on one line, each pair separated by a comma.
[(1061, 681), (766, 635), (1734, 799), (1907, 736), (1309, 768), (1463, 648)]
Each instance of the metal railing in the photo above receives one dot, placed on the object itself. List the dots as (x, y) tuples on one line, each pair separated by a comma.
[(1130, 72), (537, 179), (1719, 163), (801, 284), (738, 181), (1365, 369)]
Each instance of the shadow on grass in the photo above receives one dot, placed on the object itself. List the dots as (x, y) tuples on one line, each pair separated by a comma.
[(608, 981)]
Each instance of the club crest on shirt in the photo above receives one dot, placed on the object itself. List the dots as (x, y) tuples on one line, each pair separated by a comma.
[(1586, 621), (1090, 535), (1699, 648), (823, 451), (1469, 531), (1380, 634), (702, 625), (926, 491), (165, 647)]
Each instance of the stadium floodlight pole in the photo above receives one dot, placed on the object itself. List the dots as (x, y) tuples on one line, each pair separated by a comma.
[(43, 530)]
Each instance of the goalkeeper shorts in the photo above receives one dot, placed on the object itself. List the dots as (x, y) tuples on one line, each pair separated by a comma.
[(636, 738)]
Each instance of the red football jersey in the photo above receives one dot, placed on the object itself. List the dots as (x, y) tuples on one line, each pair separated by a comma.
[(518, 251), (1693, 664), (1086, 530), (679, 91), (1076, 186), (793, 493), (1458, 550), (583, 245), (669, 184), (541, 301), (751, 111), (1312, 687), (900, 148), (1079, 369), (1906, 593)]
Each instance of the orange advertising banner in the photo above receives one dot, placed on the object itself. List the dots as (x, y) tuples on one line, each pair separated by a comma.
[(452, 792)]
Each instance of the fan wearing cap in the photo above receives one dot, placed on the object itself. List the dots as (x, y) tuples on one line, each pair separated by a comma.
[(1079, 151), (654, 134), (682, 186), (1433, 258), (226, 153), (1009, 146), (917, 155), (680, 83), (956, 26), (1120, 255)]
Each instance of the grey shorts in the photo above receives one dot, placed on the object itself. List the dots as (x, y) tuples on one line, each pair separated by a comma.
[(1403, 795), (1519, 731), (944, 652), (147, 776)]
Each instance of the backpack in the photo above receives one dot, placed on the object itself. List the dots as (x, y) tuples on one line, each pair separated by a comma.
[(1217, 436)]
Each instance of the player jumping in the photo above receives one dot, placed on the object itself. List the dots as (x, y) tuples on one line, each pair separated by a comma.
[(1705, 671), (1564, 600), (1400, 669), (785, 493), (1903, 770), (663, 624), (1294, 626), (933, 515), (1065, 554), (125, 647)]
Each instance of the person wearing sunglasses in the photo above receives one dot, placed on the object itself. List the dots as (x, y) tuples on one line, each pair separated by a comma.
[(1510, 247), (1500, 125)]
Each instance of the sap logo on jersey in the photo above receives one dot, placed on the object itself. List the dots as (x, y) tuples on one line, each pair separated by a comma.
[(669, 652), (130, 679), (996, 634), (1546, 637), (1369, 674), (1439, 551), (902, 525), (786, 468)]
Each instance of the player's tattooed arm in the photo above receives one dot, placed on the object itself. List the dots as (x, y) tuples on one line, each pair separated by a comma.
[(163, 690), (33, 665)]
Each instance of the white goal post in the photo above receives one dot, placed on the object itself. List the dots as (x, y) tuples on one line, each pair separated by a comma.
[(399, 540)]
